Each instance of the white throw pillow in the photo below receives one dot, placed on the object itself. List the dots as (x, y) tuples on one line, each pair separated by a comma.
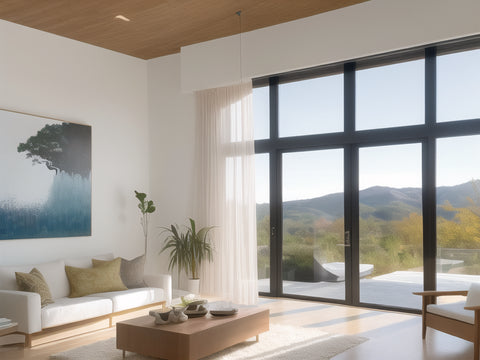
[(473, 297), (56, 278)]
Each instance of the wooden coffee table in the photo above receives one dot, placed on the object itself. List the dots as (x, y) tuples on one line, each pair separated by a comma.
[(193, 339)]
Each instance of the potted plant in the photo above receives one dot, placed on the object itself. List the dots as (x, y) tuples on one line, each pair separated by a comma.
[(188, 250), (146, 207)]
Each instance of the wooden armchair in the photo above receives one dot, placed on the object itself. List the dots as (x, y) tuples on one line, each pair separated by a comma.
[(461, 319)]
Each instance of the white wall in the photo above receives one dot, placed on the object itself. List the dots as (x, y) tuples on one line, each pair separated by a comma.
[(172, 139), (372, 27), (52, 76)]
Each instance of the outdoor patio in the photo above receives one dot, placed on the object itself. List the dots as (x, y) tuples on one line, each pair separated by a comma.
[(393, 289)]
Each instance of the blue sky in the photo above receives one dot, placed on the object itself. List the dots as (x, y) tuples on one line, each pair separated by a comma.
[(386, 96)]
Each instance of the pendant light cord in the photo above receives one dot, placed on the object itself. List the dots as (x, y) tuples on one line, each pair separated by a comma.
[(239, 13)]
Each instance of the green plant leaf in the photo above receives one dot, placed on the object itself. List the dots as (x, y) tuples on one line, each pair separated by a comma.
[(192, 226), (140, 196), (151, 209), (187, 249)]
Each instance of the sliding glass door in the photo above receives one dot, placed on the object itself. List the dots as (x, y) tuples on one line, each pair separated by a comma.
[(313, 258), (390, 223)]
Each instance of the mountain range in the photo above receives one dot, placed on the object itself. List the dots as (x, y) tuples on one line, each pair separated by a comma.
[(382, 202)]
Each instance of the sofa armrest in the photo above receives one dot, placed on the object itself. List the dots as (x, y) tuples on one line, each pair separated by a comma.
[(23, 308), (163, 281)]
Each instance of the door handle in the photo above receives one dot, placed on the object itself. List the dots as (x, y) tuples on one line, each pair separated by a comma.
[(346, 240)]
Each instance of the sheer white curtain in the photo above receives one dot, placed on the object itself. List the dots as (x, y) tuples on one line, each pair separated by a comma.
[(226, 191)]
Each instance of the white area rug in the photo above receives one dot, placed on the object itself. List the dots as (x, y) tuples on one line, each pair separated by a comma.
[(280, 343)]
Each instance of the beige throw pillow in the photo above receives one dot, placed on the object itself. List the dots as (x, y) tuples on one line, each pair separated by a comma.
[(131, 271), (34, 282), (86, 281)]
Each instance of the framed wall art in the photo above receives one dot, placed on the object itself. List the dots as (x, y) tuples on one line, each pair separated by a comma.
[(45, 182)]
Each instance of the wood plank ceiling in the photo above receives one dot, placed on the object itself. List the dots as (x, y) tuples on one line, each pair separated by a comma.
[(157, 27)]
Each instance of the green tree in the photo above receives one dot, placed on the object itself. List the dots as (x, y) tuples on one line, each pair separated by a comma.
[(463, 231)]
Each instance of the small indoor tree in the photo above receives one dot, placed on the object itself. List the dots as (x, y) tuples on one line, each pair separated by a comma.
[(146, 207), (188, 249)]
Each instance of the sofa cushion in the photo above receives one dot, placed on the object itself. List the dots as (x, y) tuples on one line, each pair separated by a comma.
[(131, 298), (85, 281), (67, 310), (34, 282), (131, 271), (453, 310), (86, 261)]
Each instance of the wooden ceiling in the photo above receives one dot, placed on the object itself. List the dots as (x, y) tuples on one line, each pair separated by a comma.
[(157, 27)]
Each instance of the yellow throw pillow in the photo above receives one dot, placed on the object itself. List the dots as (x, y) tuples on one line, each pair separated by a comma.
[(95, 280), (34, 282), (98, 262)]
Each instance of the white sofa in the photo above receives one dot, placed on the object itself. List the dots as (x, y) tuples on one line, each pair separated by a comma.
[(25, 308)]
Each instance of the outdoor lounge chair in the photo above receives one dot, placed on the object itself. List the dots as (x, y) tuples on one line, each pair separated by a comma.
[(461, 319)]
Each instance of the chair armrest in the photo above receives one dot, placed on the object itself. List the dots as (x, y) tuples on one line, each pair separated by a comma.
[(442, 293), (23, 308), (163, 281), (477, 307), (430, 297)]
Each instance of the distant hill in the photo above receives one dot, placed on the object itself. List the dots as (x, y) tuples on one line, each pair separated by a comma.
[(382, 202)]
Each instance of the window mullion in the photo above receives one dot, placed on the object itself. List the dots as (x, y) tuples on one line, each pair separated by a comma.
[(429, 174)]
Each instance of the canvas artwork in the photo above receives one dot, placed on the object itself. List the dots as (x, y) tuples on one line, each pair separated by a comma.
[(45, 182)]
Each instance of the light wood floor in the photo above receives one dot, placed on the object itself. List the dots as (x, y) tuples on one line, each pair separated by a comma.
[(391, 335)]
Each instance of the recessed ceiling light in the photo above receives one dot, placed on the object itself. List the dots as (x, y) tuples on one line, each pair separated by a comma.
[(121, 17)]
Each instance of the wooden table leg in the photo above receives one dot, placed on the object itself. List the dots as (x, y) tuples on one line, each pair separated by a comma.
[(257, 338), (123, 354)]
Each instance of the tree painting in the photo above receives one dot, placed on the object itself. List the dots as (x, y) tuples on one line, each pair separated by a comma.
[(64, 147), (47, 192)]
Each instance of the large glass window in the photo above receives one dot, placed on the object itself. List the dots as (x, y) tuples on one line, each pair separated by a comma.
[(358, 175), (458, 86), (390, 96), (313, 106)]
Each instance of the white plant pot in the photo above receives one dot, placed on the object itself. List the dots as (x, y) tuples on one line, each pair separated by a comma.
[(193, 286)]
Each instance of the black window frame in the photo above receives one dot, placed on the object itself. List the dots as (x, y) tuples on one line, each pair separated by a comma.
[(351, 140)]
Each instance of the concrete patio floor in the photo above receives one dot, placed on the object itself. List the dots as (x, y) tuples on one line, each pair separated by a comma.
[(393, 289)]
